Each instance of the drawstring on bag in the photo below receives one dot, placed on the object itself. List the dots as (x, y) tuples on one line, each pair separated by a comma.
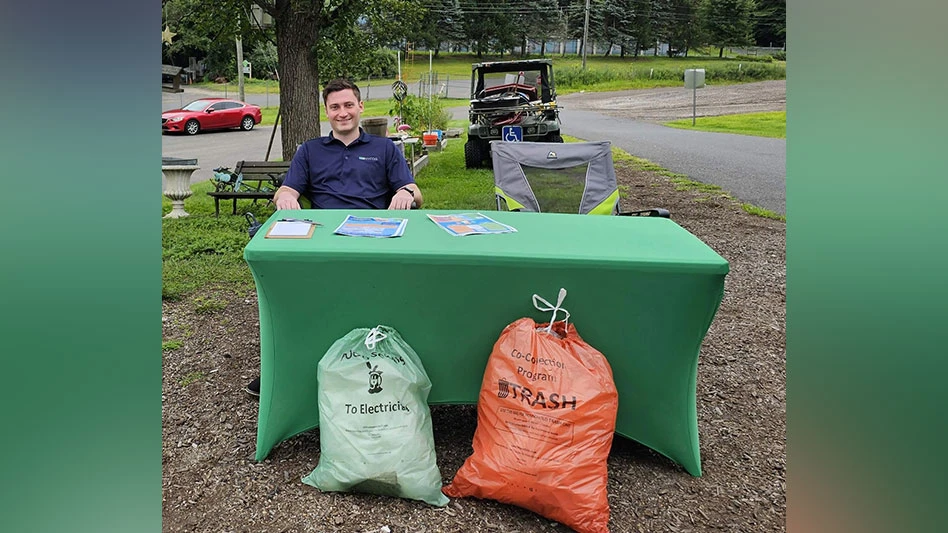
[(554, 308), (374, 337)]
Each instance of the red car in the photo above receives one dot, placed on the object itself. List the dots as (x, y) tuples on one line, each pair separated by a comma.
[(211, 114)]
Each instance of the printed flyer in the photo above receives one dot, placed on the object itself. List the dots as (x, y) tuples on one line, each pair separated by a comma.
[(470, 224), (372, 227)]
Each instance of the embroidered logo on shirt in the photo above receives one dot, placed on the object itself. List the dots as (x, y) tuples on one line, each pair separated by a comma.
[(368, 158)]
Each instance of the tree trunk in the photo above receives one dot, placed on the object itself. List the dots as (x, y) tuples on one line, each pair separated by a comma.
[(721, 52), (297, 35)]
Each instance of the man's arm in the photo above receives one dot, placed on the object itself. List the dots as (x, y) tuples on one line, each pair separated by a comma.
[(286, 198), (407, 192), (288, 195), (406, 196)]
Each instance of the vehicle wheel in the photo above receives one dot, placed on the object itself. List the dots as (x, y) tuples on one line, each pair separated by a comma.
[(475, 152), (192, 127), (554, 138), (246, 123)]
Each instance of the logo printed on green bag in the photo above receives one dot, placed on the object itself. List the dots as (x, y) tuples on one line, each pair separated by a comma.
[(375, 378)]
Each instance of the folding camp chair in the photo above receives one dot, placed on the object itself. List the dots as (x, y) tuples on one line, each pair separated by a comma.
[(558, 178)]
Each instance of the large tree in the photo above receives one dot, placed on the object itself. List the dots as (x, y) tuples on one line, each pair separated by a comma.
[(443, 22), (729, 22), (685, 32), (771, 26)]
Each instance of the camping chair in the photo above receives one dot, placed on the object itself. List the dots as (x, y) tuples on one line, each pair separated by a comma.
[(558, 178)]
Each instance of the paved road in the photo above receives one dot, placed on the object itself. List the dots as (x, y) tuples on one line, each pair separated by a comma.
[(752, 169)]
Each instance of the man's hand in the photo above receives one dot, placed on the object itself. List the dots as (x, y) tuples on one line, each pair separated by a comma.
[(402, 200), (286, 198)]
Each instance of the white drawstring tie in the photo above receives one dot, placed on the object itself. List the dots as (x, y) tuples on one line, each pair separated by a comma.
[(374, 337), (554, 308)]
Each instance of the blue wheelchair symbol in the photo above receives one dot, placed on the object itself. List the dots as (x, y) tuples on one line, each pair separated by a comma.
[(512, 134)]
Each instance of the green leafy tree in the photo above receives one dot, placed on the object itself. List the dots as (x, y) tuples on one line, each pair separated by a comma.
[(265, 59), (771, 22), (353, 47), (489, 26), (443, 22), (685, 32), (613, 18), (728, 22), (548, 23), (641, 30), (205, 33)]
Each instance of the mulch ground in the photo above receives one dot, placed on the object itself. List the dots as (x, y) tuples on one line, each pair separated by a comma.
[(210, 482)]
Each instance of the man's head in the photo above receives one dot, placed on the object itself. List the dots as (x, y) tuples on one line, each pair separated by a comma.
[(343, 106), (341, 84)]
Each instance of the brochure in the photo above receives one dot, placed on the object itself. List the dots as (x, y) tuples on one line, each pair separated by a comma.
[(372, 227), (470, 224)]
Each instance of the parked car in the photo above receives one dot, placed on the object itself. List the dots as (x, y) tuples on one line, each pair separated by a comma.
[(211, 114)]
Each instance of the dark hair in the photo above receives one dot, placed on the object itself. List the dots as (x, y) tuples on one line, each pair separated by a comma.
[(341, 84)]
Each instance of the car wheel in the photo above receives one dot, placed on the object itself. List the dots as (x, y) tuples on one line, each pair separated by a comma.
[(247, 123), (192, 127)]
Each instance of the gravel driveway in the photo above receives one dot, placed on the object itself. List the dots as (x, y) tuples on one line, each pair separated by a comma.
[(672, 103)]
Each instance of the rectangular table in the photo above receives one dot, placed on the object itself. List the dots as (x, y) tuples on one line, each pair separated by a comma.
[(642, 290)]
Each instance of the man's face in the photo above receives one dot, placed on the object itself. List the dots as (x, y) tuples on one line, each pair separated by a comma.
[(343, 111)]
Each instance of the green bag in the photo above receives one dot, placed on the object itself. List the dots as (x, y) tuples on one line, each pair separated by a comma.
[(375, 431)]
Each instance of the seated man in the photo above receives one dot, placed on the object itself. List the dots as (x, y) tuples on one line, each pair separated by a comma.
[(347, 169)]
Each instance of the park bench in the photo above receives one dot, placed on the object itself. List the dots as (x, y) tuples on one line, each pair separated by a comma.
[(267, 175)]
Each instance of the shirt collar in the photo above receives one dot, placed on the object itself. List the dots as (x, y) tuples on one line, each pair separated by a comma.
[(361, 139)]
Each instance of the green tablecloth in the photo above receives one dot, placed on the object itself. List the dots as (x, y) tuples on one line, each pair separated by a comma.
[(642, 290)]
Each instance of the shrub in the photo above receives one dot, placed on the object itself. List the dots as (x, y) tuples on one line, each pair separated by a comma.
[(417, 112), (780, 56), (381, 63), (742, 72), (761, 59)]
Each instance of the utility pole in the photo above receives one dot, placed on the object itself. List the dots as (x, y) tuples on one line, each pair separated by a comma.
[(240, 62), (585, 34)]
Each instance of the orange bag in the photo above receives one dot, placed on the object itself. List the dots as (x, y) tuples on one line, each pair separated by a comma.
[(546, 415)]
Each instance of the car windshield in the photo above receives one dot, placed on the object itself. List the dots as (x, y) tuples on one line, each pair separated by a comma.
[(196, 105)]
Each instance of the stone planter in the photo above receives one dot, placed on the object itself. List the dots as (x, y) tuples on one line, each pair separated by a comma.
[(177, 187)]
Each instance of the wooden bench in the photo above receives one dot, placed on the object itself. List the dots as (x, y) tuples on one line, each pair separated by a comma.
[(268, 176)]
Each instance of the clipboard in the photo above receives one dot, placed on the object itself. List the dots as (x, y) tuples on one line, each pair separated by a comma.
[(290, 230)]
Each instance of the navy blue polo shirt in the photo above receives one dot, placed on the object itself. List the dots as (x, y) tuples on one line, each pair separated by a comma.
[(363, 175)]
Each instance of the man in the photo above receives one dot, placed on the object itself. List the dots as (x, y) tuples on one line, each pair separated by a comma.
[(347, 169)]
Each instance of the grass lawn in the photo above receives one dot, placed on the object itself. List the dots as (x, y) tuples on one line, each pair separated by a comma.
[(457, 66), (769, 124)]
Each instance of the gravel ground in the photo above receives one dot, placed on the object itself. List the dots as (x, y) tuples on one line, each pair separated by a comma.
[(211, 483), (672, 103)]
